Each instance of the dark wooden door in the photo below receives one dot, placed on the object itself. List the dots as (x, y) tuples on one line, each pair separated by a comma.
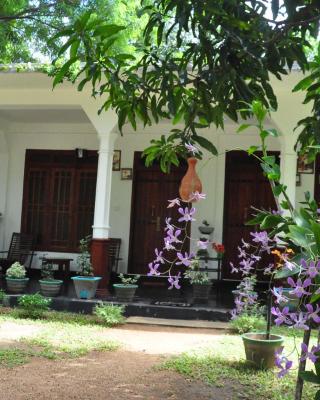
[(151, 191), (245, 186)]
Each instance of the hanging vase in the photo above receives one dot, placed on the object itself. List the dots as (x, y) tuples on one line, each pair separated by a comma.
[(190, 183)]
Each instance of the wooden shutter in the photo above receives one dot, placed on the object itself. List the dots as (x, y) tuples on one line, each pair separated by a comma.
[(36, 207), (58, 199)]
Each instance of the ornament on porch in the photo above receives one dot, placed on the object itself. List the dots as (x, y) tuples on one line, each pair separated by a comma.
[(190, 183)]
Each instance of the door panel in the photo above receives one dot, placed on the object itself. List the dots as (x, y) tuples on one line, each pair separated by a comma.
[(245, 186), (151, 191)]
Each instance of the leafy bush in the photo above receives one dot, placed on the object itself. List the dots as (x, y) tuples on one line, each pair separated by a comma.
[(16, 271), (129, 280), (84, 259), (195, 275), (248, 323), (109, 314), (2, 294), (33, 305)]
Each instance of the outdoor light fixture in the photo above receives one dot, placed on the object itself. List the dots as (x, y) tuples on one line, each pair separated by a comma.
[(80, 153)]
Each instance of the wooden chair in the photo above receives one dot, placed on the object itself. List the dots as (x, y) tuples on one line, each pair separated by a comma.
[(113, 253), (20, 250)]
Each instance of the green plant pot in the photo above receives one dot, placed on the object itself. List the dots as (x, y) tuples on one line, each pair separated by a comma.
[(16, 285), (51, 287), (86, 286), (201, 292), (261, 351), (125, 293)]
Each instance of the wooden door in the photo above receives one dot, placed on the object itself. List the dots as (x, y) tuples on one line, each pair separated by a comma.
[(151, 191), (245, 186)]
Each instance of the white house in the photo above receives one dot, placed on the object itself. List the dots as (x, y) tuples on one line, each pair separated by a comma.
[(57, 193)]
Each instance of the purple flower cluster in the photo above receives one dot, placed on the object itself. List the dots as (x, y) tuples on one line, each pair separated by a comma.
[(302, 285), (174, 240)]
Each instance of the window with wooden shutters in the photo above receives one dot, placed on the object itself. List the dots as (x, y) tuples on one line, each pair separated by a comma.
[(58, 199)]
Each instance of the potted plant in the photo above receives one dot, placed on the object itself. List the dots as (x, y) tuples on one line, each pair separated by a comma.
[(49, 286), (219, 249), (86, 283), (200, 282), (126, 290), (16, 278), (260, 347)]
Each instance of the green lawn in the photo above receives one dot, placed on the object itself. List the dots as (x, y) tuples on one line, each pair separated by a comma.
[(224, 366)]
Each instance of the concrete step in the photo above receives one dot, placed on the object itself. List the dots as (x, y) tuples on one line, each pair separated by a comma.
[(181, 323)]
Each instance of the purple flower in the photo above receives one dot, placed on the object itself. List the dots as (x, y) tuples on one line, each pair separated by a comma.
[(173, 236), (245, 245), (299, 287), (282, 362), (299, 321), (233, 268), (174, 202), (246, 266), (174, 281), (282, 316), (313, 314), (186, 214), (168, 244), (277, 212), (153, 269), (168, 225), (313, 269), (242, 253), (159, 258), (260, 237), (277, 292), (184, 259), (289, 265), (269, 269), (196, 196), (309, 354), (192, 149)]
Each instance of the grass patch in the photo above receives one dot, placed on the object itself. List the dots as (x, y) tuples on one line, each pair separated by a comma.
[(10, 358), (244, 381), (224, 366)]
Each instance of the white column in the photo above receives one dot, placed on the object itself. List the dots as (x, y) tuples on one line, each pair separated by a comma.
[(101, 226), (288, 168), (4, 162)]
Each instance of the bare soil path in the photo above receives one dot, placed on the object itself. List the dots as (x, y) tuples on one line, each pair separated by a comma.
[(128, 373)]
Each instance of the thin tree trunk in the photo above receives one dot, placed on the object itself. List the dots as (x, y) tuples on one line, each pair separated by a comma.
[(302, 367)]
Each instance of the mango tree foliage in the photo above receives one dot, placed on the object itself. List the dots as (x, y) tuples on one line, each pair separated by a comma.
[(200, 60), (26, 26)]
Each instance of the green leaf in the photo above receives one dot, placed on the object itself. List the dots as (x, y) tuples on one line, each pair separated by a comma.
[(252, 149), (243, 127), (206, 144), (63, 71), (317, 396), (277, 190), (299, 235), (310, 376), (315, 227), (107, 30), (270, 221), (285, 273)]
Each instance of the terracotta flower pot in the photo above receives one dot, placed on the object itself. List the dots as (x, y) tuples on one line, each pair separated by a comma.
[(190, 183)]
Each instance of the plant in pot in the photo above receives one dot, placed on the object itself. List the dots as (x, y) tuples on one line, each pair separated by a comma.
[(16, 278), (126, 290), (260, 347), (200, 282), (219, 249), (86, 283), (49, 286)]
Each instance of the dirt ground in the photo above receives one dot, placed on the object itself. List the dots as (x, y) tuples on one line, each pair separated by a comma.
[(128, 373)]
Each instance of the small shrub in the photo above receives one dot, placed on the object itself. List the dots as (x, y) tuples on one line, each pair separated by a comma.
[(16, 271), (2, 295), (33, 305), (109, 314), (248, 323)]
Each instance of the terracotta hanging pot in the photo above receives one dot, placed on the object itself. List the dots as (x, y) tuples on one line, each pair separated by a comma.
[(190, 183)]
